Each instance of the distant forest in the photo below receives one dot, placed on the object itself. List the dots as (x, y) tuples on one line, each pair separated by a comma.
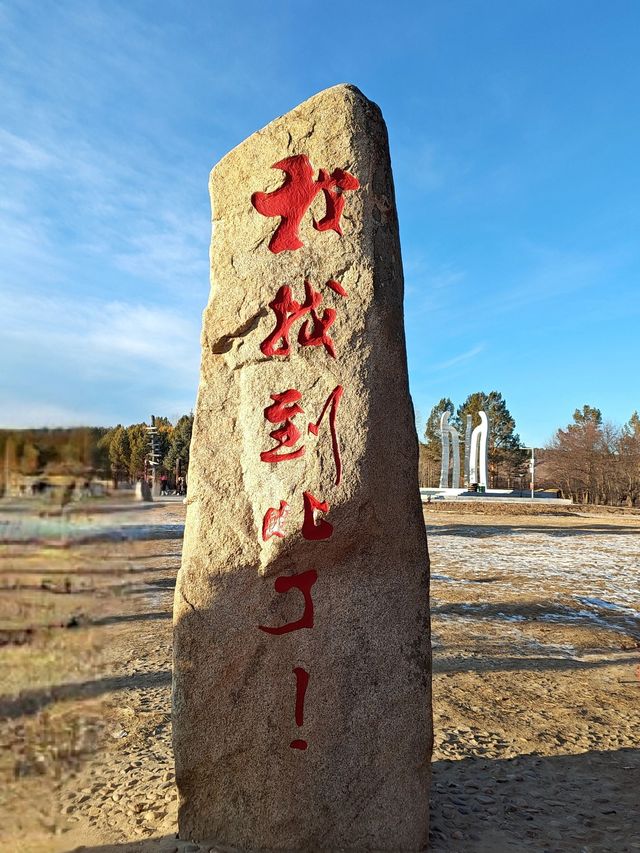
[(117, 453)]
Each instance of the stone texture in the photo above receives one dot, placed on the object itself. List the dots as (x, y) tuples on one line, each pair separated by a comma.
[(363, 781)]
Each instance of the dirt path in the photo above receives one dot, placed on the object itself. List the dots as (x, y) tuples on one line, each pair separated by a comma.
[(536, 632), (86, 708)]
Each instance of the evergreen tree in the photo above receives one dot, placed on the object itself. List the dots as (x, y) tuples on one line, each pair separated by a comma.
[(98, 454), (9, 460), (587, 415), (628, 457), (138, 439), (178, 452), (432, 428), (117, 442)]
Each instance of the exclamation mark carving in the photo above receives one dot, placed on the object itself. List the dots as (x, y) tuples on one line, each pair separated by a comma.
[(302, 679)]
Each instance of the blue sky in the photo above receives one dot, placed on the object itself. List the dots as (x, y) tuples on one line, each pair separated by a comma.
[(515, 140)]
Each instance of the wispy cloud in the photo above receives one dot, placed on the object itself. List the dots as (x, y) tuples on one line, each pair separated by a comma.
[(102, 338), (94, 201), (171, 250), (19, 153), (422, 274), (432, 290), (57, 352), (104, 214), (424, 166), (132, 198), (547, 277), (461, 358)]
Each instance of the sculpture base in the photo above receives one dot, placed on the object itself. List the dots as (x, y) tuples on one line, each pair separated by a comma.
[(510, 495)]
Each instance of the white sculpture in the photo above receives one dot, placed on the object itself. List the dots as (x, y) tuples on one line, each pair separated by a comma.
[(467, 450), (476, 452), (449, 433), (479, 457)]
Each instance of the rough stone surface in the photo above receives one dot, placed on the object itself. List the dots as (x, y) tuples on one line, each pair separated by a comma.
[(363, 781)]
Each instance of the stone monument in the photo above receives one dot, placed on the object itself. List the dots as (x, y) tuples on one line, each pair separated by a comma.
[(143, 490), (301, 701)]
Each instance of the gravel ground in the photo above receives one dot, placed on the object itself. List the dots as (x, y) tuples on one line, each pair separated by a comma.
[(536, 632)]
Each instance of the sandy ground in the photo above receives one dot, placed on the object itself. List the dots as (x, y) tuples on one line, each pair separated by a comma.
[(536, 631)]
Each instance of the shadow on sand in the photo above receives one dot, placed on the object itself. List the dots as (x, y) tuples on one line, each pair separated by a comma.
[(482, 531), (585, 616), (29, 702), (532, 802)]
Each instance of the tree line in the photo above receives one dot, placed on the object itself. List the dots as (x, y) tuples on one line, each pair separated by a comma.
[(118, 453), (590, 460)]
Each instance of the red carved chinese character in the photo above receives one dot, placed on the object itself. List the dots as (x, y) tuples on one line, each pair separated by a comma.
[(303, 582), (287, 311), (292, 200), (282, 410), (333, 400), (274, 519), (337, 287), (302, 680), (311, 530)]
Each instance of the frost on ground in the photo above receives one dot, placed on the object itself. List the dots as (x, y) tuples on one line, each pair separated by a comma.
[(536, 696), (576, 574), (536, 631)]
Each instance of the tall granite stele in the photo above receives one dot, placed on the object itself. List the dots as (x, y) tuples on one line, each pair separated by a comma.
[(302, 672)]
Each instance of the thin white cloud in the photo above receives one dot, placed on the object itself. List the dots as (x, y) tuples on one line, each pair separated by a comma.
[(106, 338), (461, 358), (17, 152), (169, 251), (430, 289), (426, 167), (538, 279), (75, 182), (418, 266), (107, 207), (548, 275), (68, 362)]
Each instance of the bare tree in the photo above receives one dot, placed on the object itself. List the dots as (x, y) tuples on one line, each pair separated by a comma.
[(593, 461)]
